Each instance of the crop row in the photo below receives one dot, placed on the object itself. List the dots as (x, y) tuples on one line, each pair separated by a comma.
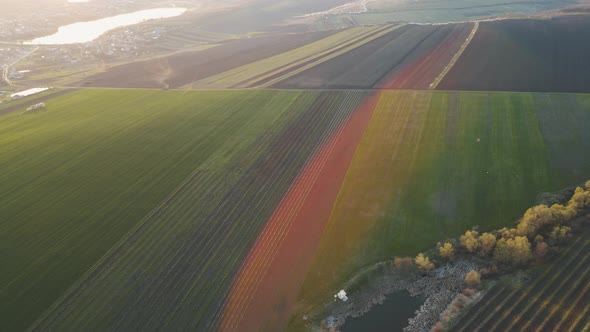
[(517, 301), (540, 310), (520, 304), (174, 270), (205, 188), (503, 310), (297, 68), (440, 50), (260, 258), (411, 57), (80, 176), (210, 147), (298, 59)]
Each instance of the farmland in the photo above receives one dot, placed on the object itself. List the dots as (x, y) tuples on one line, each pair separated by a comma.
[(135, 184), (276, 68), (525, 55), (381, 11), (384, 56), (204, 191), (133, 196), (409, 58), (555, 300), (182, 68), (431, 165), (236, 185), (268, 283)]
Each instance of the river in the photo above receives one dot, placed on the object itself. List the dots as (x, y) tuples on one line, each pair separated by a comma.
[(83, 32)]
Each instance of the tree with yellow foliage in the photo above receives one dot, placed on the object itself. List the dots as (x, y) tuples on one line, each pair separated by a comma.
[(423, 263), (516, 251), (580, 200), (469, 241), (535, 218), (487, 241), (507, 233), (447, 251)]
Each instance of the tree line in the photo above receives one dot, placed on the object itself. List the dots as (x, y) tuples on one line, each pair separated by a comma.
[(539, 230)]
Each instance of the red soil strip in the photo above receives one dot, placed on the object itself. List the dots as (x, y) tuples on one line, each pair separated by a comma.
[(422, 72), (264, 293)]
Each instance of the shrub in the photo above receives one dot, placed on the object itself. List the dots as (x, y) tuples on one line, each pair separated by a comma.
[(447, 251), (469, 241), (515, 251), (487, 241), (560, 234), (472, 278), (580, 200), (423, 263), (469, 292), (541, 250), (403, 263)]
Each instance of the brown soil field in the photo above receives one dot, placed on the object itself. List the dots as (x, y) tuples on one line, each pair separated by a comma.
[(179, 69), (269, 281), (400, 52), (421, 73), (540, 55)]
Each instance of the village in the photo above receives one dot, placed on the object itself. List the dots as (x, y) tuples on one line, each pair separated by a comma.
[(21, 61)]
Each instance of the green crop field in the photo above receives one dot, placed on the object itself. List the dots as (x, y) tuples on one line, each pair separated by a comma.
[(79, 176), (432, 165), (112, 198)]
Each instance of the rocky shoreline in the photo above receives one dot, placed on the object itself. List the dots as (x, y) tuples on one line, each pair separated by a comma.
[(438, 287)]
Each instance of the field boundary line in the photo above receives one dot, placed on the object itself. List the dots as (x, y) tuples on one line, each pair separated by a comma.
[(455, 58)]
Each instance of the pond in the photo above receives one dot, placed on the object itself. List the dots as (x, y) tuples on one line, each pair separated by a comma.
[(392, 315), (83, 32)]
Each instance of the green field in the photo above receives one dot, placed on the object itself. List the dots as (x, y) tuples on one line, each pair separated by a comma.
[(110, 198), (81, 175), (432, 165)]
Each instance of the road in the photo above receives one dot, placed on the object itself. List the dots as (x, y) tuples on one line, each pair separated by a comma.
[(6, 68)]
